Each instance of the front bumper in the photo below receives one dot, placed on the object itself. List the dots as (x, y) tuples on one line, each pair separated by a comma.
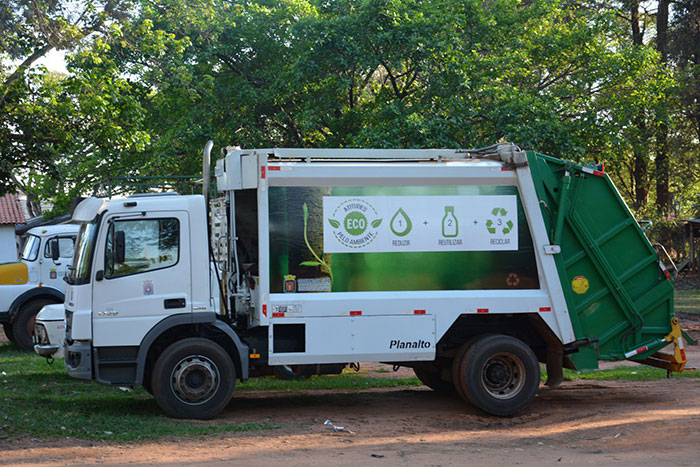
[(78, 358), (46, 350)]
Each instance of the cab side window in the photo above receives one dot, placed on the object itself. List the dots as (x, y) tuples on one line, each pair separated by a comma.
[(66, 246), (148, 245)]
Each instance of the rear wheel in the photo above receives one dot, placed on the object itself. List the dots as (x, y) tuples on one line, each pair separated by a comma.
[(23, 323), (431, 376), (193, 378), (499, 374), (294, 372), (459, 356)]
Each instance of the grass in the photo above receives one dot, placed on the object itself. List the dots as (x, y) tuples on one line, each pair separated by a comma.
[(623, 373), (41, 400), (687, 301)]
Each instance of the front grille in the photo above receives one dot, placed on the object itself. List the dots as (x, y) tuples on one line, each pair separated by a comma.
[(69, 325)]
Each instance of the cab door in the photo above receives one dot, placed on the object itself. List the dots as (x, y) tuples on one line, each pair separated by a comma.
[(141, 275), (53, 271)]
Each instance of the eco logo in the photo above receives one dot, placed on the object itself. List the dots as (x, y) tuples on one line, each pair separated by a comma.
[(355, 223), (498, 221)]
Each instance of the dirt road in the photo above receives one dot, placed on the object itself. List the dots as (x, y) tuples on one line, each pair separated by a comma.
[(603, 423), (648, 423)]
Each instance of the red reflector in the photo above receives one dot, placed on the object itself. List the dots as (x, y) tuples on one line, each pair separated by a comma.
[(418, 312), (668, 276), (545, 308), (265, 310), (503, 169), (355, 313), (642, 349), (278, 315), (273, 167), (262, 172), (683, 354), (482, 310)]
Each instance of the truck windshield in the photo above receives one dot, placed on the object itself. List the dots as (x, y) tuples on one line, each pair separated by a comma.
[(31, 248), (83, 253)]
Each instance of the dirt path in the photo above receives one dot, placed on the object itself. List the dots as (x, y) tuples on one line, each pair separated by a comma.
[(646, 423), (627, 423)]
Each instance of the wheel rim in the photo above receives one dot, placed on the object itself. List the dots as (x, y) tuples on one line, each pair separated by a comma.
[(195, 379), (503, 375)]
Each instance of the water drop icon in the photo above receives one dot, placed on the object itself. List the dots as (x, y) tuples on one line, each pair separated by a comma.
[(400, 224)]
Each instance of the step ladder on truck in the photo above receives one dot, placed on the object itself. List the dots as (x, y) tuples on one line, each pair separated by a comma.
[(469, 266)]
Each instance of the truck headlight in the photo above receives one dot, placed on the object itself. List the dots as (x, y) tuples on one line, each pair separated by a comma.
[(40, 334)]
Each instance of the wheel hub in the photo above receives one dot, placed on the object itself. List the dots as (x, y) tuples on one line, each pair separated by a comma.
[(195, 379), (503, 376)]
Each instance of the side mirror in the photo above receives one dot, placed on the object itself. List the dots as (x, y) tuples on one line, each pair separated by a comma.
[(53, 246), (119, 247)]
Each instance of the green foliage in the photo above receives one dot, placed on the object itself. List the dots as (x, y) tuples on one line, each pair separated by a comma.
[(144, 95), (687, 301)]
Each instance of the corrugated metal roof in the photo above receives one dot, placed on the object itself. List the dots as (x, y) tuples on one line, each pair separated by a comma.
[(11, 210)]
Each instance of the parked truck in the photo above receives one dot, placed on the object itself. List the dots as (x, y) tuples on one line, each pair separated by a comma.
[(469, 266), (35, 280)]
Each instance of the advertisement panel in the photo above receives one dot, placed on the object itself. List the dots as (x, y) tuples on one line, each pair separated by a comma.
[(377, 224), (342, 239)]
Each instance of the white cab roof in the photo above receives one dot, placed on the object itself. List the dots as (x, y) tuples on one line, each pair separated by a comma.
[(48, 230)]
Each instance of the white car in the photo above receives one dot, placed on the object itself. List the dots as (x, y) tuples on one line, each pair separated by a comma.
[(50, 331)]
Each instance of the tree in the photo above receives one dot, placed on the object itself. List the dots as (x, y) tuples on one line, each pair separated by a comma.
[(30, 29)]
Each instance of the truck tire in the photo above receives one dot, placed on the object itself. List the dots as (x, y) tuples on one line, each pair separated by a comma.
[(459, 356), (295, 372), (7, 327), (193, 378), (23, 323), (499, 374), (430, 375)]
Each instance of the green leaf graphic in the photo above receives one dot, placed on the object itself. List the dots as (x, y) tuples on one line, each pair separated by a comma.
[(334, 223), (309, 263), (376, 223)]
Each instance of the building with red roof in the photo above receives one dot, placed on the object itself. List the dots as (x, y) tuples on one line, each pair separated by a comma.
[(10, 214)]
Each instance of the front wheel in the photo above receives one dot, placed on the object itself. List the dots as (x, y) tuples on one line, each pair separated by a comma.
[(499, 374), (7, 327), (23, 323), (193, 378)]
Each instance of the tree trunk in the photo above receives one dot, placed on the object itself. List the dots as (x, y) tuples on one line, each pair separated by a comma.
[(662, 156), (641, 186), (639, 146)]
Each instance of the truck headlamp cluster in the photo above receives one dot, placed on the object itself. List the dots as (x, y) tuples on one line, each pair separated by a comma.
[(40, 336)]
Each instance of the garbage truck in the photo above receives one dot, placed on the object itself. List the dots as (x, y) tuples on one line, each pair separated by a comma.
[(470, 266)]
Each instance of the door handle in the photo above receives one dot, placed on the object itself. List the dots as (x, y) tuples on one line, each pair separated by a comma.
[(170, 303)]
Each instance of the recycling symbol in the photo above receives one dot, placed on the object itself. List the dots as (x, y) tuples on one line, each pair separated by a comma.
[(512, 280), (493, 224)]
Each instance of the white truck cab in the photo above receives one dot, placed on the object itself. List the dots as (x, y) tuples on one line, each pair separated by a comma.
[(35, 280)]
